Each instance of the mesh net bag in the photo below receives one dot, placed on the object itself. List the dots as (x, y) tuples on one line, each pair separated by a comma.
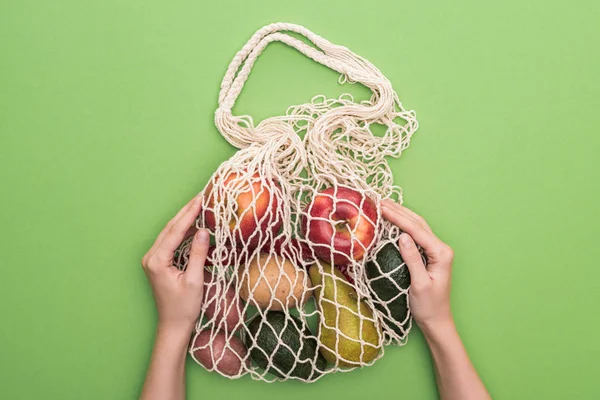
[(304, 277)]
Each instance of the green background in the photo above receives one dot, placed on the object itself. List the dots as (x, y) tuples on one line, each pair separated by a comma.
[(106, 130)]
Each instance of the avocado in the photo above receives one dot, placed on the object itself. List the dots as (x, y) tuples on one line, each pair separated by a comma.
[(266, 338), (389, 262)]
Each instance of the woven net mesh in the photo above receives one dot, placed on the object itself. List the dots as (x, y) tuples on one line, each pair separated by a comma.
[(296, 225)]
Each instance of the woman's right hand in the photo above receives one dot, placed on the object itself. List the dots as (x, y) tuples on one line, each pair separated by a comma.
[(429, 294)]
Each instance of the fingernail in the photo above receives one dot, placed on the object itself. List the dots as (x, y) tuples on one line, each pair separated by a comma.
[(202, 235), (405, 239)]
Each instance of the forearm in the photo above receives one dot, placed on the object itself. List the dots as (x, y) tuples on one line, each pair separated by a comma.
[(165, 379), (455, 374)]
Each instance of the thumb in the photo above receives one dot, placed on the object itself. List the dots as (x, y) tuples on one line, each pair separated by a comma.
[(198, 252), (419, 277)]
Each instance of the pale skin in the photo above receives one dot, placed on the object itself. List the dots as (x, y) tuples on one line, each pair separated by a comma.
[(178, 297)]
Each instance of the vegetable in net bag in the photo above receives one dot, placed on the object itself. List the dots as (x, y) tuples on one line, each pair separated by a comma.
[(305, 277)]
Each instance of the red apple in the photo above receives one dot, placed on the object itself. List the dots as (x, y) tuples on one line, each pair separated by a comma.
[(340, 224), (256, 210)]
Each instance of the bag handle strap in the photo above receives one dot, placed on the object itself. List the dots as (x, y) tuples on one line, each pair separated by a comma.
[(240, 130)]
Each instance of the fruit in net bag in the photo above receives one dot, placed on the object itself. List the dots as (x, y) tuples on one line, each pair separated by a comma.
[(274, 283), (389, 279), (221, 305), (216, 349), (348, 333), (265, 234), (340, 224), (283, 345), (253, 203), (290, 248)]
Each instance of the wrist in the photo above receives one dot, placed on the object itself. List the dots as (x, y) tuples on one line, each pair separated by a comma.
[(175, 333), (437, 330)]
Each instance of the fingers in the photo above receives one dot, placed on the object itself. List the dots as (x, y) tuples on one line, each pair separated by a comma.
[(422, 236), (173, 220), (419, 277), (175, 231), (406, 212), (166, 229), (198, 252), (190, 232), (435, 249)]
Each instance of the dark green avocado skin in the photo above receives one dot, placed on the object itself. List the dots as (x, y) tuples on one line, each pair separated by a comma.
[(389, 259), (267, 340)]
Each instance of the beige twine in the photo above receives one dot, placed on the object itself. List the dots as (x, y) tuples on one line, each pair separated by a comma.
[(320, 144)]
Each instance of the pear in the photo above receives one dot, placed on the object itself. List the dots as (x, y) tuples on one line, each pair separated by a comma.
[(343, 337)]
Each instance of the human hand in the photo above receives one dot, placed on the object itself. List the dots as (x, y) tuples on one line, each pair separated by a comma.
[(178, 294), (429, 295)]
